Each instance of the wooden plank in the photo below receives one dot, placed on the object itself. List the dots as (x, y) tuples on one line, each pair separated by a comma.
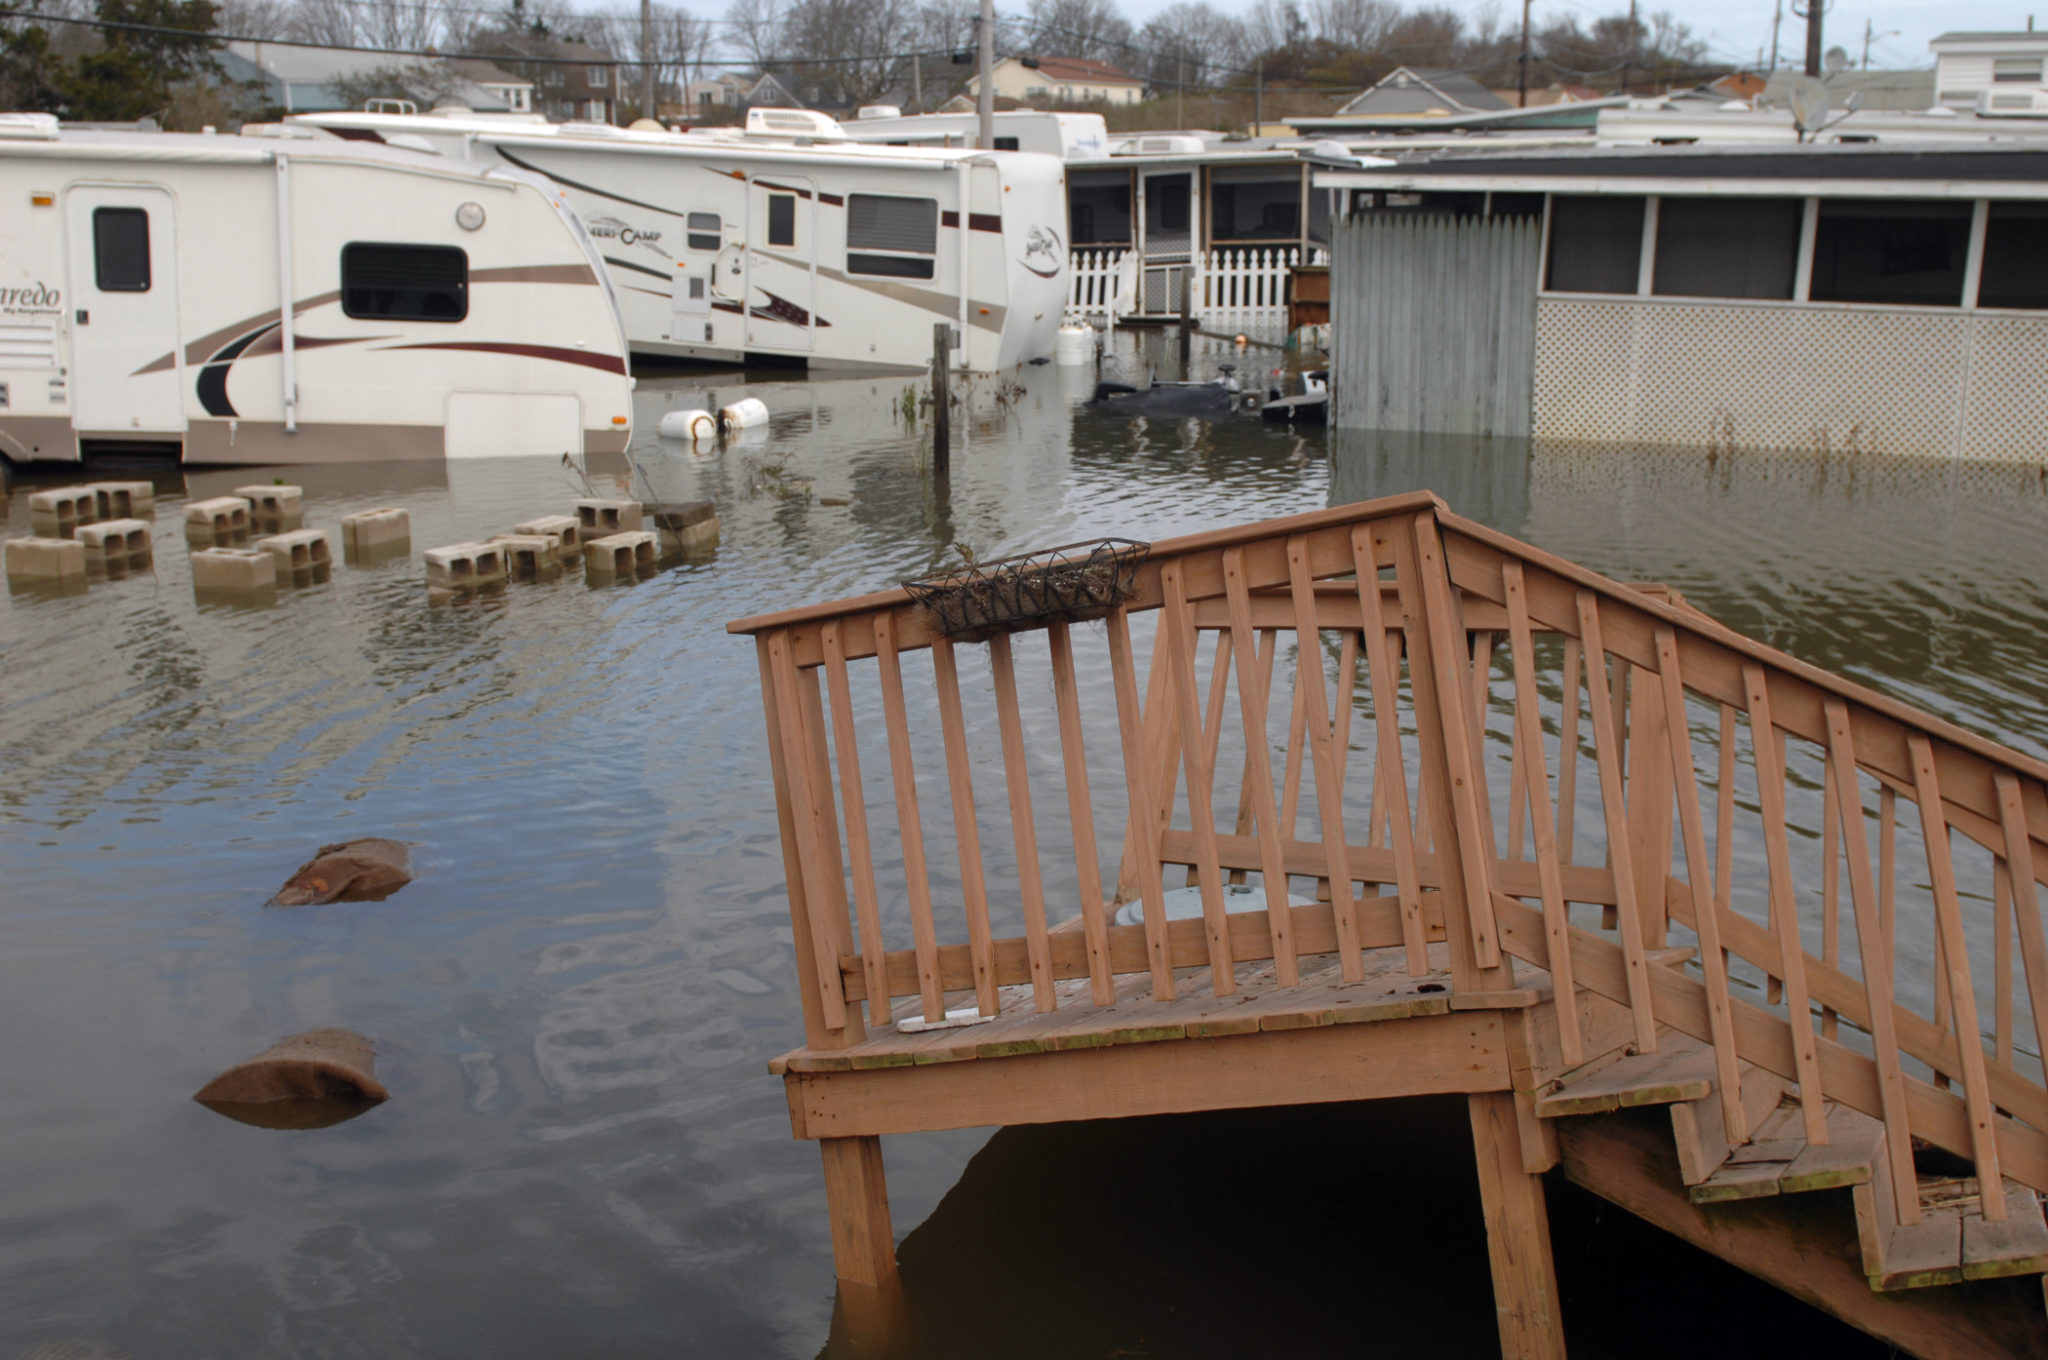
[(1568, 752), (810, 832), (1877, 961), (1177, 642), (1309, 682), (1535, 792), (1948, 917), (1682, 1070), (1699, 1130), (1390, 774), (1606, 740), (1739, 1180), (1081, 811), (808, 963), (966, 823), (2019, 856), (1525, 1297), (1789, 961), (857, 1202), (1143, 832), (1023, 827), (2016, 1244), (1831, 871), (1461, 1052), (1649, 785), (1926, 1251), (1855, 1144), (866, 905), (1251, 696), (1681, 775), (2001, 959), (903, 773), (1795, 1244)]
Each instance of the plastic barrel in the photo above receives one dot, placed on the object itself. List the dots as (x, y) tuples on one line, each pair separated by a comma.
[(1076, 345), (690, 425), (746, 412)]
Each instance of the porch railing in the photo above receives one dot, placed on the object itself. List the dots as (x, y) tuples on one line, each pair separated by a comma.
[(1399, 728), (1233, 286)]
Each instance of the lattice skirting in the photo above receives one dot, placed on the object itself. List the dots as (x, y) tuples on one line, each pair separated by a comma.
[(1829, 379)]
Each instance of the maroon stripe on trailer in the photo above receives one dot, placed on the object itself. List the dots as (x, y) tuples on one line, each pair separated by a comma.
[(610, 363), (975, 221)]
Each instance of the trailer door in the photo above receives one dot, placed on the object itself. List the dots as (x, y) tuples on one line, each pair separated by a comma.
[(127, 372), (782, 259)]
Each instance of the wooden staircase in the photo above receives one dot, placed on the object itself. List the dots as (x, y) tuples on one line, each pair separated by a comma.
[(1610, 1117)]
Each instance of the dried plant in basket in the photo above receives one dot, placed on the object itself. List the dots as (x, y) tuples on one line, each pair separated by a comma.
[(1075, 582)]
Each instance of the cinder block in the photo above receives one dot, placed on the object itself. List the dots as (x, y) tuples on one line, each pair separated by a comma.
[(619, 554), (119, 500), (114, 544), (222, 520), (564, 529), (233, 571), (464, 566), (599, 518), (297, 551), (55, 514), (274, 509), (529, 554), (370, 530), (44, 561)]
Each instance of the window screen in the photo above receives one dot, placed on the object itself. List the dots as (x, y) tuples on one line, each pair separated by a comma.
[(704, 229), (1874, 250), (1255, 212), (1006, 143), (1596, 244), (1099, 214), (2015, 256), (404, 283), (120, 250), (875, 222), (1727, 247), (2019, 70), (782, 219)]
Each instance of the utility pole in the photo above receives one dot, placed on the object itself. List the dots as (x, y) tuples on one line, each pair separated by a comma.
[(1258, 95), (985, 97), (1777, 17), (917, 84), (1180, 96), (1630, 54), (1522, 64), (647, 59), (1813, 13)]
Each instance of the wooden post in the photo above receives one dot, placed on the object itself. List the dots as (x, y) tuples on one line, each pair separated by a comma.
[(942, 408), (857, 1200), (1187, 317), (1517, 1234)]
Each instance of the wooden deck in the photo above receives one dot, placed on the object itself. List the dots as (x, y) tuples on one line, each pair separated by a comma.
[(1419, 844)]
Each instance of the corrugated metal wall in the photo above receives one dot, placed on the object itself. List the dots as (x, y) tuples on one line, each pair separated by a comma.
[(1433, 324)]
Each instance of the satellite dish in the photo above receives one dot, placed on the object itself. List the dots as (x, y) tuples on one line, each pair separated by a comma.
[(1809, 100), (1835, 62), (1855, 103)]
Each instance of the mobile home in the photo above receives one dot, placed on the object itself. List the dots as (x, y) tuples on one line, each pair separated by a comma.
[(242, 300), (786, 240)]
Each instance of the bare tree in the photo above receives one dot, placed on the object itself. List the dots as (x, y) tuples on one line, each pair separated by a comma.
[(755, 27), (1188, 46), (1090, 29), (1361, 25)]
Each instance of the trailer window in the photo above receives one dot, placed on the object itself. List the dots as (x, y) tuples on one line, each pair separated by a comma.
[(120, 249), (1727, 247), (1877, 250), (782, 219), (1596, 244), (704, 229), (1099, 213), (906, 228), (2015, 256), (404, 283)]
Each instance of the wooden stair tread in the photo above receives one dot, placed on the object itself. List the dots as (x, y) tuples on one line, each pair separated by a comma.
[(1855, 1142), (1779, 1160), (1681, 1069), (2018, 1246), (1917, 1255)]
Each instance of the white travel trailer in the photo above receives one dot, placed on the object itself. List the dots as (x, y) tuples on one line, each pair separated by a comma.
[(437, 310), (1066, 135), (785, 240)]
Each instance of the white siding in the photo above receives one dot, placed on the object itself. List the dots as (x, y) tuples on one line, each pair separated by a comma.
[(1959, 78)]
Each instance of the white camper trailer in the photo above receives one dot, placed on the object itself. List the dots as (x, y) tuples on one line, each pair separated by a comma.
[(437, 310), (786, 240), (1070, 136)]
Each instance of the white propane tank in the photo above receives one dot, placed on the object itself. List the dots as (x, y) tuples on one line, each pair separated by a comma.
[(694, 426), (746, 412), (1076, 345)]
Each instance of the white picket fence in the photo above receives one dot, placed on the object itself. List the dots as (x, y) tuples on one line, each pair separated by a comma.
[(1234, 286)]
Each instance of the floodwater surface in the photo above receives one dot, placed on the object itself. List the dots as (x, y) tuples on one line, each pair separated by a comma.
[(574, 1002)]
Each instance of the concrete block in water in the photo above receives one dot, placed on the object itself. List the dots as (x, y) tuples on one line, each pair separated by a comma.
[(223, 519), (233, 571), (686, 526), (566, 530), (55, 514), (275, 509), (529, 554), (318, 1064), (114, 544), (464, 566), (374, 530), (619, 554), (302, 550), (599, 518), (119, 500), (44, 561)]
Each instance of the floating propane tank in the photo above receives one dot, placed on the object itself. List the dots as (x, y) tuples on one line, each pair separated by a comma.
[(694, 426), (743, 414), (1075, 345)]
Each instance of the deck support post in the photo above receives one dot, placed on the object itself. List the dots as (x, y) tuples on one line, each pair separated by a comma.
[(1517, 1234), (857, 1200)]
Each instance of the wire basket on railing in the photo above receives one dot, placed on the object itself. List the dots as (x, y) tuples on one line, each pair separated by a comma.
[(1076, 582)]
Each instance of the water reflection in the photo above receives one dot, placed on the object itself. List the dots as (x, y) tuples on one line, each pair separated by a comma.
[(574, 1000)]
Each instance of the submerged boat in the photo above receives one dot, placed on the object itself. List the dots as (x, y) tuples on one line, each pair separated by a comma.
[(200, 297), (1210, 400), (1310, 406)]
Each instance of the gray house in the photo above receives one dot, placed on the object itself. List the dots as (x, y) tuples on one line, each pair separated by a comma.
[(317, 80), (1405, 92)]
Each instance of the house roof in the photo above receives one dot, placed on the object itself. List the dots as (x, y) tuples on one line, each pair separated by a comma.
[(483, 72), (2027, 34), (1406, 90), (1079, 70), (1882, 91)]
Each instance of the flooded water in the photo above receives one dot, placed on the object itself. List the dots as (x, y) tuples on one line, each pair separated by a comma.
[(574, 1003)]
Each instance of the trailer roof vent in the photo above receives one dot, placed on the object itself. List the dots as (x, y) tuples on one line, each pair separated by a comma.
[(39, 127), (793, 123)]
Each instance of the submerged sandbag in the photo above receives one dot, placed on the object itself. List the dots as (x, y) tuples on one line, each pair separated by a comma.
[(367, 870), (319, 1065)]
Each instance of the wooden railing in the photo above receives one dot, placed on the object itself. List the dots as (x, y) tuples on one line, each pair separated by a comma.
[(1476, 737)]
